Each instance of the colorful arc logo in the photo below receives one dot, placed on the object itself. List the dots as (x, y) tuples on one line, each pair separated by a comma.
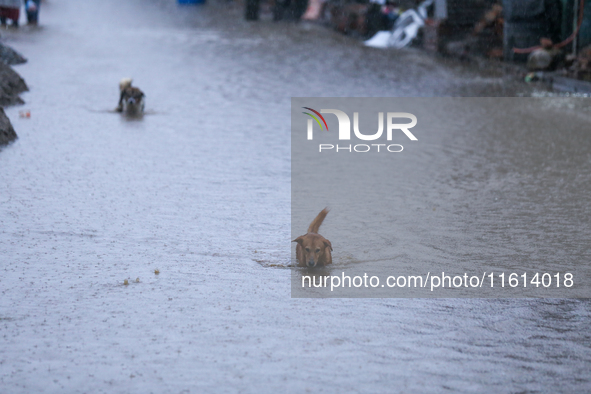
[(315, 118)]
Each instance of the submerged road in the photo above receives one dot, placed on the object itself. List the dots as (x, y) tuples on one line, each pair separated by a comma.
[(199, 189)]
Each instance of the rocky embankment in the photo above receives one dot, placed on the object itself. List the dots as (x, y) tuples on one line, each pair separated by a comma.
[(7, 132), (11, 85)]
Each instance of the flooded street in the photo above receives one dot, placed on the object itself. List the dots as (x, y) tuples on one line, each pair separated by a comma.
[(199, 189)]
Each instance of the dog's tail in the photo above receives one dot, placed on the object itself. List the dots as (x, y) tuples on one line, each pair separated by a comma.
[(125, 83), (317, 222)]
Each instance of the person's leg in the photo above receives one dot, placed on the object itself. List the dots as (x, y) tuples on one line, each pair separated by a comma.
[(32, 8), (3, 16), (38, 3), (31, 17)]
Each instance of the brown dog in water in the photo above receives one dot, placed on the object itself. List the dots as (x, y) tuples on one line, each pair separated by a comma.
[(313, 249)]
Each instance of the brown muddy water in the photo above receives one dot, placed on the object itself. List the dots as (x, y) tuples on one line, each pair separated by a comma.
[(199, 188)]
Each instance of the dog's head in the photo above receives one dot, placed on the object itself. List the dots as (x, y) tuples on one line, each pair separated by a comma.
[(133, 95), (314, 248), (133, 100)]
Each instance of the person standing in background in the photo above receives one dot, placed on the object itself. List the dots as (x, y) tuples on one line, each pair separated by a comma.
[(32, 8), (10, 9)]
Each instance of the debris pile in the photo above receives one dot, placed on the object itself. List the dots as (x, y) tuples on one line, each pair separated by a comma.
[(484, 38), (579, 67), (489, 30), (546, 57), (11, 85), (362, 19)]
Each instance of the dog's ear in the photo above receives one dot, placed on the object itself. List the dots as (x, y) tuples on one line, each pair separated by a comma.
[(327, 244), (299, 239)]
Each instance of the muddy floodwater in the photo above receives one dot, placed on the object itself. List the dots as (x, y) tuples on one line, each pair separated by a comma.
[(199, 191), (491, 188)]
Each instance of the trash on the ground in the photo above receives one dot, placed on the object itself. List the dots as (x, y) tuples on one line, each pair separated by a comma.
[(489, 31), (539, 59), (406, 29), (544, 58), (493, 18), (485, 38), (24, 114), (380, 40), (580, 66), (531, 77)]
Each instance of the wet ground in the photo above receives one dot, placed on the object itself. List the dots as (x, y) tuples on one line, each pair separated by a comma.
[(200, 190)]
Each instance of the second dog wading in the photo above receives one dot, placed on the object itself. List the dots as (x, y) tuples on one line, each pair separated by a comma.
[(131, 99), (312, 249)]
